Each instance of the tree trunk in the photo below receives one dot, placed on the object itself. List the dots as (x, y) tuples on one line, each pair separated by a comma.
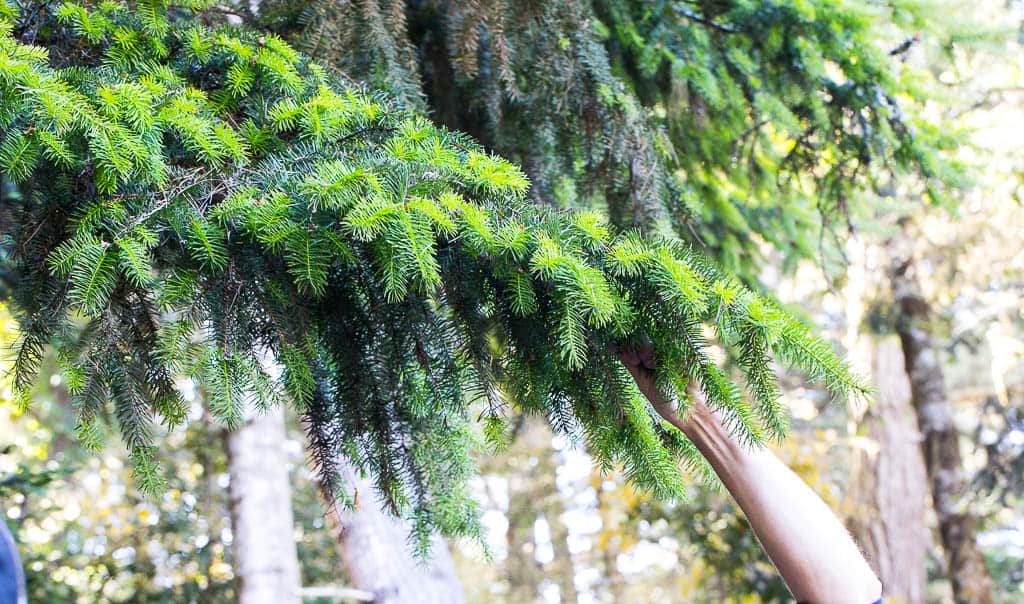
[(890, 484), (373, 547), (524, 571), (562, 567), (266, 562), (531, 466), (965, 565)]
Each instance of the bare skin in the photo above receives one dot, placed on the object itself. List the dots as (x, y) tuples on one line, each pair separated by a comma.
[(811, 549)]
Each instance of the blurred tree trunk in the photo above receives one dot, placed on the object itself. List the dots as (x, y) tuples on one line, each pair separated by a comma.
[(374, 549), (533, 494), (965, 564), (524, 571), (610, 508), (266, 562), (562, 569), (890, 483)]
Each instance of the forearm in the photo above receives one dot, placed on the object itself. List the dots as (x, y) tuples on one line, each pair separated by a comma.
[(812, 550)]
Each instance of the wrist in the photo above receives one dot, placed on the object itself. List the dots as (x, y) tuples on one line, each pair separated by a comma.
[(707, 432), (699, 422)]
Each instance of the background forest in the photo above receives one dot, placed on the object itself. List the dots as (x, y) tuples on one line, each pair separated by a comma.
[(856, 164)]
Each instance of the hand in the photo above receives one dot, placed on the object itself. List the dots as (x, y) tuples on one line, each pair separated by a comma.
[(639, 361), (809, 546)]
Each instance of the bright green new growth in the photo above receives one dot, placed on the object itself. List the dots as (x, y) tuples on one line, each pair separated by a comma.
[(195, 201), (740, 123)]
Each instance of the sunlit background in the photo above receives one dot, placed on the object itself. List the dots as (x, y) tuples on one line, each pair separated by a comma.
[(556, 529)]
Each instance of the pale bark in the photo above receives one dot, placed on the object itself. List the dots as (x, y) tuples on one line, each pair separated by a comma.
[(611, 546), (957, 526), (266, 562), (533, 494), (562, 567), (374, 548), (524, 571), (889, 492)]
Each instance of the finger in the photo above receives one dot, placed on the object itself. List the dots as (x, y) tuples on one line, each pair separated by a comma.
[(645, 356)]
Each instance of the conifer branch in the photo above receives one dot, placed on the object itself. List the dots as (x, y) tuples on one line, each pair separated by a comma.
[(229, 198)]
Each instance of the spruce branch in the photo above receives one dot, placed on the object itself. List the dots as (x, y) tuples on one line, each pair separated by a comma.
[(211, 198)]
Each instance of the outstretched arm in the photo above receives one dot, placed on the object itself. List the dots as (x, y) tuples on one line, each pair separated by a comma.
[(812, 550)]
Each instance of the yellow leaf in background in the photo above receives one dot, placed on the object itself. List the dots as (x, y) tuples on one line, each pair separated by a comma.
[(220, 571)]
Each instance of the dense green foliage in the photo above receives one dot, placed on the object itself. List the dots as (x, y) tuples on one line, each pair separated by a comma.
[(738, 121), (197, 199)]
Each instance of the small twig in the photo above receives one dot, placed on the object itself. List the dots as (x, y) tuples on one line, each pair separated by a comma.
[(736, 144), (27, 23), (223, 10), (364, 130), (692, 16), (35, 232), (143, 217), (905, 45)]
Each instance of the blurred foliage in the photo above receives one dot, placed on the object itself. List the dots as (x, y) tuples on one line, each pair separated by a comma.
[(722, 557), (88, 536), (616, 543)]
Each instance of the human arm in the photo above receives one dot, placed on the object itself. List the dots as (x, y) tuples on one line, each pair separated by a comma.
[(811, 549)]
